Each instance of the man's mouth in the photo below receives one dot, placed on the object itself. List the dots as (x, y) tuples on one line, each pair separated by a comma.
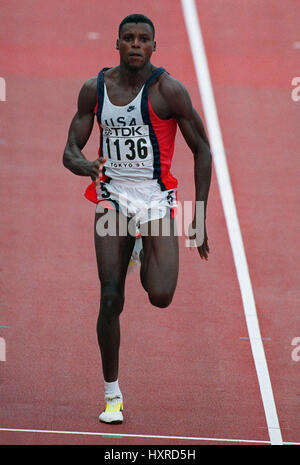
[(135, 55)]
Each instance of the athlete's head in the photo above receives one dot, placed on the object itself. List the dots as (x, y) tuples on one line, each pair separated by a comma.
[(136, 40), (137, 18)]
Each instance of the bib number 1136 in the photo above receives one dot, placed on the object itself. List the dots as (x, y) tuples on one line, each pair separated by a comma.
[(118, 149)]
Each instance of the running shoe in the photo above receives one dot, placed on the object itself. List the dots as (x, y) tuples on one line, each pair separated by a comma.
[(113, 411)]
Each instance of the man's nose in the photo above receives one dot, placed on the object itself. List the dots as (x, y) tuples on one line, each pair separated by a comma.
[(136, 42)]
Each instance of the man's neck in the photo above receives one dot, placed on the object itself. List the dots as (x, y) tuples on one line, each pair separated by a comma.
[(133, 76)]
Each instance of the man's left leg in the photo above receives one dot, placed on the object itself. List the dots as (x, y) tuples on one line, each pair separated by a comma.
[(159, 266)]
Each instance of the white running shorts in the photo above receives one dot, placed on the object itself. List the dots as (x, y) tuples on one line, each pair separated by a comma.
[(142, 200)]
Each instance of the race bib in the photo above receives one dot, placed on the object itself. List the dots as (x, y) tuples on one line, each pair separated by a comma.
[(127, 146)]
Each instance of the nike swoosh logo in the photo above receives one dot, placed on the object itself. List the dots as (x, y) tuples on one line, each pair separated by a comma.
[(132, 107)]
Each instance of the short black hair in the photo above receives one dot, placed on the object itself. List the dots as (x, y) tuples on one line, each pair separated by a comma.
[(137, 18)]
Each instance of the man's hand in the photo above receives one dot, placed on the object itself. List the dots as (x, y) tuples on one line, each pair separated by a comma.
[(96, 168), (203, 248)]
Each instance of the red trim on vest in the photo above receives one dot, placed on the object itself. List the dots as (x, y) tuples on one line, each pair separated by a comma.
[(90, 192), (165, 131)]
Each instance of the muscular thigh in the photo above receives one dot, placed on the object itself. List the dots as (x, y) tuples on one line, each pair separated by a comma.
[(161, 257), (113, 247)]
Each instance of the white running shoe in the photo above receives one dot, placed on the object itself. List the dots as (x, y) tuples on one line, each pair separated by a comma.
[(113, 411), (136, 254)]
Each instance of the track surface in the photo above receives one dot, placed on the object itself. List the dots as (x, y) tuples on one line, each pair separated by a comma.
[(187, 371)]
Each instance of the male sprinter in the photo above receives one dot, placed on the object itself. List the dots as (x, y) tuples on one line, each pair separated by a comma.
[(138, 107)]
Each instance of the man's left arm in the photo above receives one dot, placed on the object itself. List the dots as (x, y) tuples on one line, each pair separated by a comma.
[(193, 131)]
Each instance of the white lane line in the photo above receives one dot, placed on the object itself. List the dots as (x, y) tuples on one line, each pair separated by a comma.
[(2, 350), (121, 435), (219, 156), (2, 89)]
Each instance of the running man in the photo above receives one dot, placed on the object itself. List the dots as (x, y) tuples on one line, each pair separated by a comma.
[(138, 108)]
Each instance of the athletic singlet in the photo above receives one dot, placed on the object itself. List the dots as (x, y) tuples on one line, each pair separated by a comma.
[(136, 143)]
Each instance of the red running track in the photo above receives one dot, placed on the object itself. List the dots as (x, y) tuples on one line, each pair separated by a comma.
[(188, 371)]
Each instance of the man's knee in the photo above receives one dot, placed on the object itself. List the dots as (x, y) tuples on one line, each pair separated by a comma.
[(112, 302), (160, 299)]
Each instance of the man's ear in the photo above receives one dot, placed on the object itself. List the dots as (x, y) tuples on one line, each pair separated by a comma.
[(117, 44), (154, 46)]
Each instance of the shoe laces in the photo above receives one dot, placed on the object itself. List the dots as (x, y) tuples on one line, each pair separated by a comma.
[(114, 404)]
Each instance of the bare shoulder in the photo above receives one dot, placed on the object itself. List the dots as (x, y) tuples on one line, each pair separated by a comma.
[(175, 93), (89, 86), (171, 87), (87, 98)]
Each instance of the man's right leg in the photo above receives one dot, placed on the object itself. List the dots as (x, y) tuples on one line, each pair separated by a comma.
[(113, 253)]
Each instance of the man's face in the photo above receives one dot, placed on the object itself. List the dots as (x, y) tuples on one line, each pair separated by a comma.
[(136, 44)]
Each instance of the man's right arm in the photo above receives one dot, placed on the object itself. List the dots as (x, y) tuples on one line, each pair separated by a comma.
[(80, 131)]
